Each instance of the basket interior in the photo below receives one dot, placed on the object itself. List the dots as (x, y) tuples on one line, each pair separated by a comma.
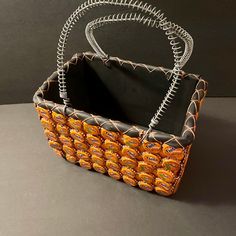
[(124, 93)]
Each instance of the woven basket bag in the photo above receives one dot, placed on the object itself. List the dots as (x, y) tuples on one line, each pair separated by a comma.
[(100, 112)]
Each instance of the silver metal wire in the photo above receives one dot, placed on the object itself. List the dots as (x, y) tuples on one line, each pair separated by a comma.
[(74, 18), (171, 30), (149, 22)]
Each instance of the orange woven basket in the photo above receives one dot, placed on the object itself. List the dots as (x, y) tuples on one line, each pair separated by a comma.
[(100, 118)]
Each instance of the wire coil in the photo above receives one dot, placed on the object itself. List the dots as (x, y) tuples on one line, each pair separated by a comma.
[(172, 31), (149, 22)]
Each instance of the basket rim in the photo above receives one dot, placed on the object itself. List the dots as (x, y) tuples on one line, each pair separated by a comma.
[(188, 132)]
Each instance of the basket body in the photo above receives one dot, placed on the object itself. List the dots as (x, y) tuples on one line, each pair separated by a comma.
[(113, 147)]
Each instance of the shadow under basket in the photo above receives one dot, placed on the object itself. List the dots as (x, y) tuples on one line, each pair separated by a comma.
[(112, 105)]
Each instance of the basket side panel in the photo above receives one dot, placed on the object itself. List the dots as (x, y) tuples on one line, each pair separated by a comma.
[(152, 166)]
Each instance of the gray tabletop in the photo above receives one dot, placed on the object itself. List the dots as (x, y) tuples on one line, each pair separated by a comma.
[(44, 195)]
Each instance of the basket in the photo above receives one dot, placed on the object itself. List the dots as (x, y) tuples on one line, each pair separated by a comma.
[(99, 111)]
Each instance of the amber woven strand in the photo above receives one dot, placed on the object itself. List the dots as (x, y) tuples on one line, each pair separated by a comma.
[(150, 165)]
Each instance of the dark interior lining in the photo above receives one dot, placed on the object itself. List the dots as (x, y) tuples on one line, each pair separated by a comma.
[(122, 93)]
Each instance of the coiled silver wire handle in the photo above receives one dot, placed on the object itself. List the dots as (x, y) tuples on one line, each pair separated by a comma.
[(135, 17), (181, 57), (173, 31)]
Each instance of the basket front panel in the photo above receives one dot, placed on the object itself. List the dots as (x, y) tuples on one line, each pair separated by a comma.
[(152, 166)]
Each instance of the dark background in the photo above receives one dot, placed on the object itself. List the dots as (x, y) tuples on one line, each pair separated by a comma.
[(30, 31)]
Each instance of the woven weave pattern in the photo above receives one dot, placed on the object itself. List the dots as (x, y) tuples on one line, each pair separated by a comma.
[(153, 166)]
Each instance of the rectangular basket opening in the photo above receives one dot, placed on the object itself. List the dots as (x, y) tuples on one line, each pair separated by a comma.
[(125, 93)]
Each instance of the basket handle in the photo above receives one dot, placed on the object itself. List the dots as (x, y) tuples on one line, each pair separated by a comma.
[(172, 31), (134, 17)]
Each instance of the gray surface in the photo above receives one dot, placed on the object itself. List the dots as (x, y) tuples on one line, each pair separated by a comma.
[(30, 31), (44, 195)]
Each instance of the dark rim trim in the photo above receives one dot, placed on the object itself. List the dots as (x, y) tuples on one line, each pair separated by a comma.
[(189, 127)]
